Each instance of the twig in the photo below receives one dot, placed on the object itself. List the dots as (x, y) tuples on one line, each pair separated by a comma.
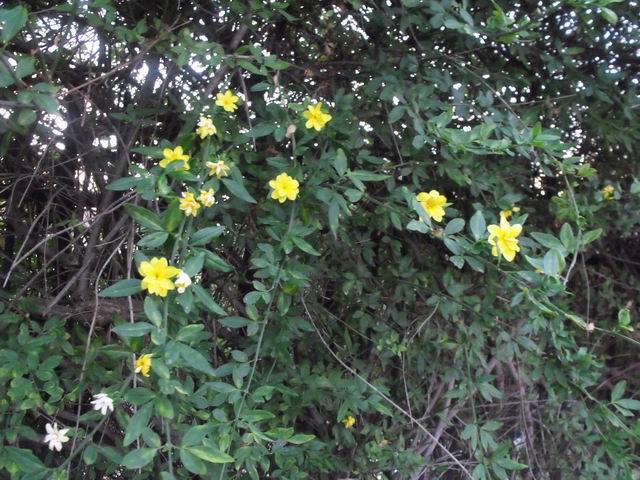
[(382, 395)]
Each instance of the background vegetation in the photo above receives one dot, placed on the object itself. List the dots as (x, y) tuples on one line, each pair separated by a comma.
[(343, 303)]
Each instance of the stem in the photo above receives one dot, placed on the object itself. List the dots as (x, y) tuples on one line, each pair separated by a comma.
[(265, 320)]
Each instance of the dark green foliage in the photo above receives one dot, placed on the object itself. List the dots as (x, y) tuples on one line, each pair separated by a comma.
[(349, 301)]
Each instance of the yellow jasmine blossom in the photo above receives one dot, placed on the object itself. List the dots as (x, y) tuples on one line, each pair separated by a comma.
[(143, 364), (182, 282), (284, 188), (219, 169), (173, 156), (504, 240), (433, 203), (316, 118), (156, 276), (607, 192), (227, 100), (188, 204), (506, 213), (349, 422), (207, 197), (206, 127)]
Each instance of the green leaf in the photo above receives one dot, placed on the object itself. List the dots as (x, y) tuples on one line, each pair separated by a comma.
[(509, 464), (138, 458), (123, 288), (153, 240), (210, 454), (591, 236), (418, 226), (334, 215), (237, 189), (12, 21), (144, 217), (629, 403), (205, 235), (215, 262), (137, 329), (139, 395), (195, 434), (261, 130), (618, 391), (566, 237), (547, 240), (154, 152), (366, 176), (46, 102), (280, 433), (254, 416), (207, 301), (624, 317), (196, 360), (137, 424), (551, 262), (192, 463), (172, 217), (609, 15), (454, 226), (340, 162), (235, 322), (305, 246), (26, 117), (164, 407), (396, 113), (25, 459), (125, 183), (152, 310), (194, 264), (478, 225), (189, 332), (457, 260), (300, 438), (90, 455)]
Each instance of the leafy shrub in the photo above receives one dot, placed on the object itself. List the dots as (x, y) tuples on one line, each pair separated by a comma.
[(354, 240)]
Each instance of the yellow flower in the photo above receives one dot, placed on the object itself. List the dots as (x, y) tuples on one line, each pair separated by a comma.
[(219, 169), (207, 198), (284, 188), (504, 240), (506, 213), (188, 204), (173, 156), (206, 127), (607, 192), (156, 276), (143, 364), (433, 203), (316, 118), (515, 209), (349, 422), (227, 100)]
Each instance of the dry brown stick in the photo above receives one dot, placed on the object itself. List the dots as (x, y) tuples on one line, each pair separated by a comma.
[(526, 417), (86, 350), (115, 205)]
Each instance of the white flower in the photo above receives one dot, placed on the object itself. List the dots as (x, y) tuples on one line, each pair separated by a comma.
[(55, 437), (102, 402), (182, 282)]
